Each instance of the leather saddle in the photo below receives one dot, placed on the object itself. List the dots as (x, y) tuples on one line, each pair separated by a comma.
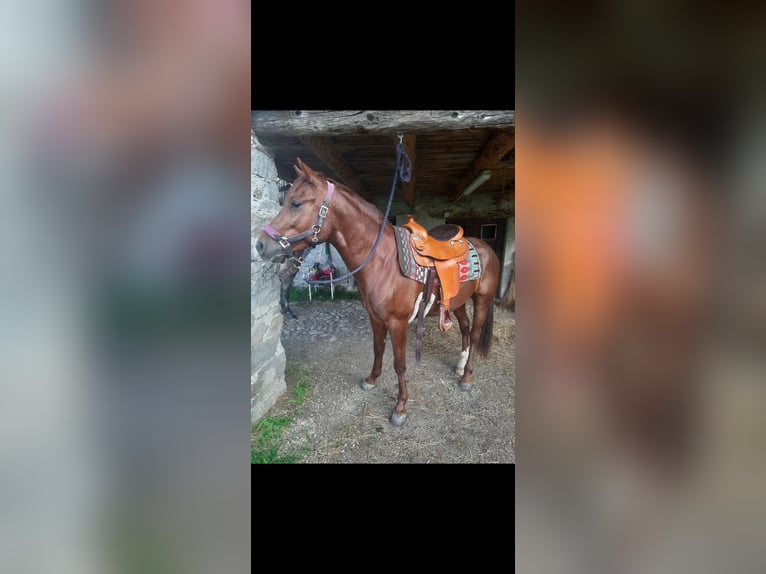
[(441, 247)]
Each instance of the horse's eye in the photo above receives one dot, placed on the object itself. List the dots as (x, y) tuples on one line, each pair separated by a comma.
[(295, 204)]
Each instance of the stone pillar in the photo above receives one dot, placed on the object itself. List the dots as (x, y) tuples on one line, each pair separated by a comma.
[(267, 356)]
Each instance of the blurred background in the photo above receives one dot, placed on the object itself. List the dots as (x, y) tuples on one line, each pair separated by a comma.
[(641, 288), (124, 218), (640, 145)]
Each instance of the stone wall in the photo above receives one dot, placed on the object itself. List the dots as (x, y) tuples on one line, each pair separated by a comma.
[(267, 356)]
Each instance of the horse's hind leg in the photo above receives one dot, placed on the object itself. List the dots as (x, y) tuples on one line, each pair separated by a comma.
[(465, 331), (481, 309), (379, 331)]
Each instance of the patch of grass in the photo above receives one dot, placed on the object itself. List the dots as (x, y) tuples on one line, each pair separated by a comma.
[(270, 429), (323, 294), (264, 447), (299, 394), (271, 456), (298, 380), (266, 435)]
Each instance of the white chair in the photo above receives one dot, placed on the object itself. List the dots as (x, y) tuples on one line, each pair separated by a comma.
[(332, 285)]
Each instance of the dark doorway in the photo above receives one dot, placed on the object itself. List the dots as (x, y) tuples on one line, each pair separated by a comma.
[(490, 230)]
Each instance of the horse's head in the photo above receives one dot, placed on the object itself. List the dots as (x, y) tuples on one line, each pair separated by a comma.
[(303, 220)]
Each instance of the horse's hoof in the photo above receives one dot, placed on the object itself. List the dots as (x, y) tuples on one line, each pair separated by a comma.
[(365, 386), (466, 387), (459, 372), (397, 419)]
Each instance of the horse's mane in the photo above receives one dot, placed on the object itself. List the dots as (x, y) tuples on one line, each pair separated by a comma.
[(368, 207)]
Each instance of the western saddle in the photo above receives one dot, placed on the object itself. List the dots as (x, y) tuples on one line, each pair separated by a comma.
[(440, 248)]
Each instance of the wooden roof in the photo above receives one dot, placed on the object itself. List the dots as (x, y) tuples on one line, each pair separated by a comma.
[(448, 149)]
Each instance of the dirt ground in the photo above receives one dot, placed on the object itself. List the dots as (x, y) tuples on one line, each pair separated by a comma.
[(331, 343)]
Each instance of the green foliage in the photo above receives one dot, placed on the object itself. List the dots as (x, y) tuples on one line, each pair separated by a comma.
[(322, 294), (300, 391), (266, 435)]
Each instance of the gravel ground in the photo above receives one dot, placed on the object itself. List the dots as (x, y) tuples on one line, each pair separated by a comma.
[(341, 423)]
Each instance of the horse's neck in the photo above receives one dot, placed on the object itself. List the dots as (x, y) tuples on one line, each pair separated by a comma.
[(354, 235)]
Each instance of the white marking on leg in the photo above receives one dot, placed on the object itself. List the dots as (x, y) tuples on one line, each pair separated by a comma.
[(460, 369), (417, 304), (430, 303), (415, 309)]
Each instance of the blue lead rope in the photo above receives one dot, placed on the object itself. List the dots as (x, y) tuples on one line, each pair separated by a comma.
[(403, 172)]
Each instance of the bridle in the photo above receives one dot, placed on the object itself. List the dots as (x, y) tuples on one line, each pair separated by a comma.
[(287, 242), (402, 171)]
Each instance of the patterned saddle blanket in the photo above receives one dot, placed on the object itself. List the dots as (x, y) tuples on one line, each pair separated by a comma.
[(469, 269)]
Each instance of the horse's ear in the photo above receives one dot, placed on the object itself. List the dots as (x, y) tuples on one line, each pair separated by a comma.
[(305, 170), (299, 168)]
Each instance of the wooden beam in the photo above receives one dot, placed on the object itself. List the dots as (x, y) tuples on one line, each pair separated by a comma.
[(408, 188), (324, 149), (490, 155), (333, 123)]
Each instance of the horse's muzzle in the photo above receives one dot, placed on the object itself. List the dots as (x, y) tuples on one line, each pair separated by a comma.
[(270, 250)]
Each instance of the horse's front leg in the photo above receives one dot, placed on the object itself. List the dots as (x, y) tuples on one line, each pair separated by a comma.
[(379, 331), (399, 342)]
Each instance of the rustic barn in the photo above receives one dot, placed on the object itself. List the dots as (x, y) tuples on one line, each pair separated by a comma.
[(462, 172)]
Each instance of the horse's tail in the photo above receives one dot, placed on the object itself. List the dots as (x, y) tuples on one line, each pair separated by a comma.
[(485, 336)]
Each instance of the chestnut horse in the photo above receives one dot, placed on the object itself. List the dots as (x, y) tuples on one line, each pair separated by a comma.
[(317, 210)]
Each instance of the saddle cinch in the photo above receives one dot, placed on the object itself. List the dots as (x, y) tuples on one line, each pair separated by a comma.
[(442, 248)]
